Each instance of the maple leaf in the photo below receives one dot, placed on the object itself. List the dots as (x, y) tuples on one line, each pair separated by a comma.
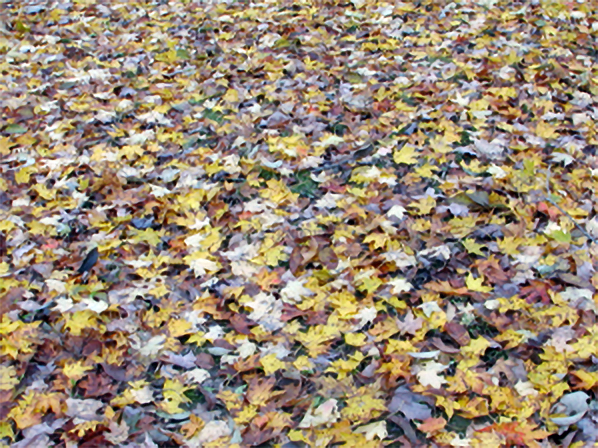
[(476, 284), (406, 155), (428, 374), (400, 285), (323, 414), (211, 432), (410, 324), (372, 430), (75, 370), (267, 311), (83, 409), (8, 378), (294, 291), (201, 266), (431, 425), (173, 392), (519, 433)]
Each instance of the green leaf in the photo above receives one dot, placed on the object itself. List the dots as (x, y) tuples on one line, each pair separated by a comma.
[(560, 236), (282, 43), (213, 115), (305, 185), (183, 54), (480, 198), (21, 27), (15, 129)]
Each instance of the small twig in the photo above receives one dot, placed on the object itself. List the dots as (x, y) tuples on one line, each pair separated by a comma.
[(553, 202)]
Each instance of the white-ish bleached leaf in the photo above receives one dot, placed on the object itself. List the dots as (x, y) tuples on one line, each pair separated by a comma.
[(410, 324), (197, 375), (142, 395), (329, 200), (56, 285), (195, 240), (159, 191), (424, 355), (331, 140), (201, 266), (151, 347), (493, 149), (267, 311), (566, 159), (83, 409), (246, 349), (400, 285), (365, 315), (396, 211), (372, 430), (118, 434), (97, 306), (525, 388), (294, 291), (430, 307), (63, 305), (326, 413), (592, 226), (496, 171), (428, 375), (155, 117), (400, 259), (211, 432), (185, 361)]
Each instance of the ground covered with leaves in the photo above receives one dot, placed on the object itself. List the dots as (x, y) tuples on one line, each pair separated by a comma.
[(298, 224)]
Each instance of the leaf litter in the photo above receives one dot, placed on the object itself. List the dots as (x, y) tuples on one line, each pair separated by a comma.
[(298, 224)]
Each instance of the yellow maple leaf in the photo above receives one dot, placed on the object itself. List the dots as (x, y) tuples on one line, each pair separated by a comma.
[(476, 284), (131, 151), (512, 337), (197, 338), (316, 338), (424, 205), (363, 407), (179, 327), (277, 192), (369, 284), (8, 377), (231, 96), (588, 379), (150, 236), (476, 347), (426, 170), (355, 339), (342, 367), (173, 392), (274, 255), (6, 431), (5, 145), (303, 363), (545, 130), (448, 404), (22, 176), (271, 364), (441, 144), (80, 320), (246, 414), (75, 370), (406, 155), (472, 247)]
